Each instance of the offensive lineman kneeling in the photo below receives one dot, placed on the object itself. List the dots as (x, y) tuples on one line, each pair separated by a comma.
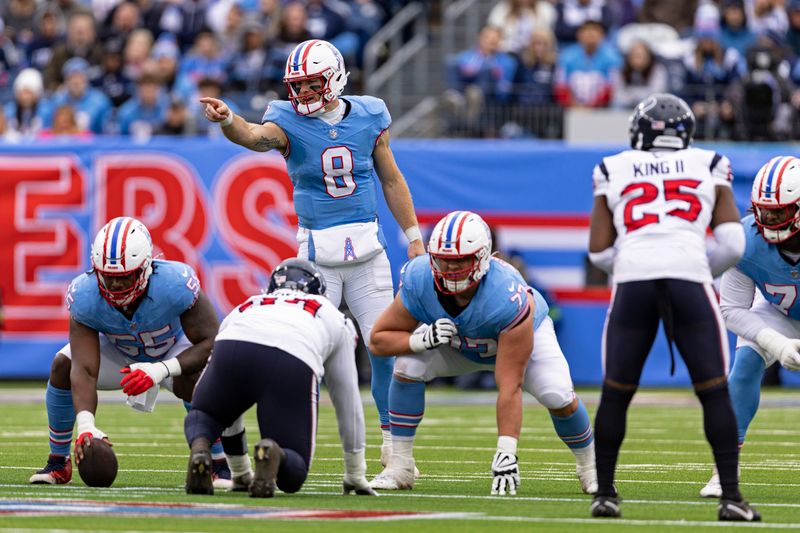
[(272, 351)]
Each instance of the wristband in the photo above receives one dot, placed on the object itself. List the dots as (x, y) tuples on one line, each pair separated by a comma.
[(85, 422), (507, 444), (173, 367), (413, 234), (416, 342), (227, 122)]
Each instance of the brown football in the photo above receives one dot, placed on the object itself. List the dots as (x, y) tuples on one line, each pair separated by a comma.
[(99, 465)]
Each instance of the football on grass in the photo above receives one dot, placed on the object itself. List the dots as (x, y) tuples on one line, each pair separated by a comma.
[(99, 465)]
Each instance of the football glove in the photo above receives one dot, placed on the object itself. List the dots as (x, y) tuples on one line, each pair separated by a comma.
[(784, 349), (86, 432), (430, 336), (506, 474), (142, 376)]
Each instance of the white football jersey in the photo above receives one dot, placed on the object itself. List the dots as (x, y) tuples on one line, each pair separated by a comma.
[(306, 326), (662, 203)]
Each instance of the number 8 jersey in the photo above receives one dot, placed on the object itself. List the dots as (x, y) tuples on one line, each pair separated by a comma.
[(662, 202), (331, 166)]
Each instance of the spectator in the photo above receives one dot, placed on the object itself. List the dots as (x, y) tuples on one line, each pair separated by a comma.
[(165, 54), (81, 42), (121, 21), (735, 33), (177, 122), (91, 105), (268, 16), (185, 20), (112, 81), (572, 14), (291, 32), (23, 113), (585, 69), (10, 59), (146, 111), (205, 59), (152, 12), (247, 69), (327, 20), (677, 13), (229, 34), (485, 70), (47, 33), (366, 18), (518, 19), (535, 72), (793, 34), (65, 122), (18, 16), (641, 75), (136, 53), (767, 15), (10, 135)]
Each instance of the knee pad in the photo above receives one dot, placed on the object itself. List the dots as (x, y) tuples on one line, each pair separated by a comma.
[(411, 368), (554, 399)]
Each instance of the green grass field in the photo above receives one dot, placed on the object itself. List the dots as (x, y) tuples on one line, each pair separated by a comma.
[(664, 462)]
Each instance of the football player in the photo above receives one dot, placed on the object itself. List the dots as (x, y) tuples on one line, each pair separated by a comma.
[(767, 320), (478, 313), (652, 207), (332, 144), (145, 318), (273, 350)]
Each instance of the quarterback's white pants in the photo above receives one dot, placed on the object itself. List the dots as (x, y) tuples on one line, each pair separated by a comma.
[(111, 360), (781, 323), (546, 376)]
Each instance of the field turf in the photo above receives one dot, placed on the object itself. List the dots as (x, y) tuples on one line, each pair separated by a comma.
[(664, 462)]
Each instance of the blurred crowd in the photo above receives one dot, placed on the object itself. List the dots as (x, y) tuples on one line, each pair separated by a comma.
[(737, 63), (137, 67)]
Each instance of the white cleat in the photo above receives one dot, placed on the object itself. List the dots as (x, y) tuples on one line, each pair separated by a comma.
[(395, 477), (586, 470), (386, 456), (713, 488)]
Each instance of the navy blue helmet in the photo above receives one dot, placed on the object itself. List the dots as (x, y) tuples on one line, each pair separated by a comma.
[(662, 121), (297, 274)]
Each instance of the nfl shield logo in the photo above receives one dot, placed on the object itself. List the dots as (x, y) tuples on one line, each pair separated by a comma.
[(333, 133)]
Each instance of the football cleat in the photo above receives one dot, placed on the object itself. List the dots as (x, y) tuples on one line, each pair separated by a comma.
[(606, 506), (57, 471), (198, 476), (269, 456), (396, 476), (386, 456), (713, 488), (221, 474), (588, 478), (242, 483), (733, 511)]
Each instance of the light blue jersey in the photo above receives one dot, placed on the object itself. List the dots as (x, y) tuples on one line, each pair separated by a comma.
[(331, 167), (772, 274), (499, 304), (155, 327)]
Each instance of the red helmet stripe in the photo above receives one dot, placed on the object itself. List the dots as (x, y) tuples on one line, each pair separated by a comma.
[(125, 241), (305, 54), (780, 177), (464, 217)]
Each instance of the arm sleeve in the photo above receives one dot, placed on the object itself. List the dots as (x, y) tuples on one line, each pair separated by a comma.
[(736, 297), (341, 377)]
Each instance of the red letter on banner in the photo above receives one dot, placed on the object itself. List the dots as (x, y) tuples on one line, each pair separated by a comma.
[(41, 248), (255, 216), (163, 193)]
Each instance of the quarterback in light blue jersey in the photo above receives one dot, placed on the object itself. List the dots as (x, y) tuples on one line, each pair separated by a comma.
[(477, 313), (333, 146), (758, 297), (135, 324)]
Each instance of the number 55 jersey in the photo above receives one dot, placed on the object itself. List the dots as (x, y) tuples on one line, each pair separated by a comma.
[(662, 202)]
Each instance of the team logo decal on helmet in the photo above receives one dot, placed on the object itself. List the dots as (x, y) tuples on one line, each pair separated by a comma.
[(121, 248), (297, 274), (662, 121), (314, 60), (776, 198), (460, 235)]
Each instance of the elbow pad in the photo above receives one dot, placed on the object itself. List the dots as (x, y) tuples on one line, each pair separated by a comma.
[(729, 249), (604, 260)]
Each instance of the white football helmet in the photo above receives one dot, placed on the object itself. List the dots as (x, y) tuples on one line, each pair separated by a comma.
[(121, 248), (777, 189), (460, 235), (311, 60)]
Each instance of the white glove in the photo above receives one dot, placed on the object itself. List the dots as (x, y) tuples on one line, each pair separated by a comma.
[(355, 479), (784, 349), (506, 473), (440, 332), (142, 376)]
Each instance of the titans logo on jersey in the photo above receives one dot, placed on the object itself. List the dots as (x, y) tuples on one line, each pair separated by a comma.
[(775, 277), (155, 327), (499, 304), (331, 166)]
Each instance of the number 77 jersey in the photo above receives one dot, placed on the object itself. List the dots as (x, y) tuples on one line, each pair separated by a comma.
[(662, 202)]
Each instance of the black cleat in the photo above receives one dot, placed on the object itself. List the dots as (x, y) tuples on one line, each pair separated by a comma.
[(733, 511), (268, 458), (606, 506), (198, 476)]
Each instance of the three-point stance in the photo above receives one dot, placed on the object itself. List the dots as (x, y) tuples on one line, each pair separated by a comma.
[(332, 145), (478, 313), (652, 207), (272, 351)]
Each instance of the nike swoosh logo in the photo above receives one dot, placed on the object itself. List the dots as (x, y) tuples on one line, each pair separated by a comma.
[(746, 515)]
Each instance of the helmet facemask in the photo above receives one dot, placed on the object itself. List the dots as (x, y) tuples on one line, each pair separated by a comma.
[(456, 281), (784, 223), (775, 197), (306, 104), (124, 297)]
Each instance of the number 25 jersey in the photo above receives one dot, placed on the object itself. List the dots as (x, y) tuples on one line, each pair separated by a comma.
[(662, 202)]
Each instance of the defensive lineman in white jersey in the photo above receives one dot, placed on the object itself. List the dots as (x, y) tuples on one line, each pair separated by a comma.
[(273, 350), (652, 208)]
